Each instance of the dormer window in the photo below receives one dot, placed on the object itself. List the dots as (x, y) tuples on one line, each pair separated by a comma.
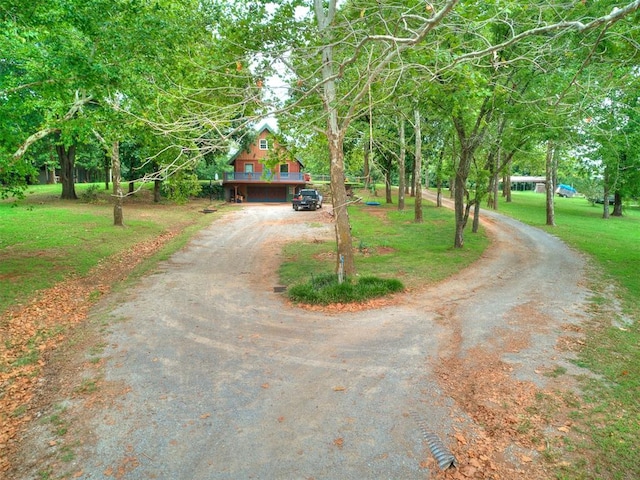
[(264, 144)]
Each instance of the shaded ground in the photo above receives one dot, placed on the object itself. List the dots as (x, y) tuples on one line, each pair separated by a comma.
[(206, 373)]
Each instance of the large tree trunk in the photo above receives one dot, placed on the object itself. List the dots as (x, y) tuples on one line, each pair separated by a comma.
[(506, 185), (468, 143), (118, 218), (345, 257), (459, 190), (387, 185), (549, 186), (66, 157), (156, 190), (402, 180), (476, 216), (617, 205), (417, 168)]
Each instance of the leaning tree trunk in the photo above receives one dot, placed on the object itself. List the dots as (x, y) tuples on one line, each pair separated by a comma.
[(551, 216), (66, 157), (118, 219), (417, 168)]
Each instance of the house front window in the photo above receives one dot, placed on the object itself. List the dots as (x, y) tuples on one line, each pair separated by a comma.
[(264, 144), (284, 170), (248, 168)]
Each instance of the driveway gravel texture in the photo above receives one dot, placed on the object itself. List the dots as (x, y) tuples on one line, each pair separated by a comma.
[(211, 374)]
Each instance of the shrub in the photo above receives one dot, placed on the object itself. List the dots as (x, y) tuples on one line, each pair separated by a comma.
[(325, 289), (181, 186)]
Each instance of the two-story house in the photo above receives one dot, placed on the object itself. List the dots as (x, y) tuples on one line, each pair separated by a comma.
[(252, 181)]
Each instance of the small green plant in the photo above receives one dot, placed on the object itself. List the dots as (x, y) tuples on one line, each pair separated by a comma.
[(556, 372), (524, 426), (95, 296), (58, 422), (44, 474), (18, 412), (549, 455), (97, 349), (87, 386), (28, 358), (67, 454), (90, 194)]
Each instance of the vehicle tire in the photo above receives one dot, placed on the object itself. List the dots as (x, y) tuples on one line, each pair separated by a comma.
[(295, 207)]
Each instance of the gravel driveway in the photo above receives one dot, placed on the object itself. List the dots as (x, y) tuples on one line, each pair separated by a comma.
[(222, 380)]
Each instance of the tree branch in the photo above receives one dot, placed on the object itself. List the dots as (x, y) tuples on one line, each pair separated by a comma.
[(75, 108), (615, 15)]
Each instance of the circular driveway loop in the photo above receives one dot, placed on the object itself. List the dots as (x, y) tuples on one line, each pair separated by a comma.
[(225, 381)]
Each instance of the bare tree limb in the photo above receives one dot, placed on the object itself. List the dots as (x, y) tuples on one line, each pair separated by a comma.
[(39, 135), (615, 15), (9, 91)]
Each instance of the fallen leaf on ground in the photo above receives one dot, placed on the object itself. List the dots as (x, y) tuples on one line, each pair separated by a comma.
[(461, 438)]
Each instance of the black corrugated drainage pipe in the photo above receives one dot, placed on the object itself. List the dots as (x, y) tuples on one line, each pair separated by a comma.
[(440, 452)]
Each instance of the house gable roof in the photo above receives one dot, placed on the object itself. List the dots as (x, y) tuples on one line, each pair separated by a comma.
[(266, 127)]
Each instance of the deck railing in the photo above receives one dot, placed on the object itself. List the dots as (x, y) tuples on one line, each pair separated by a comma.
[(265, 177)]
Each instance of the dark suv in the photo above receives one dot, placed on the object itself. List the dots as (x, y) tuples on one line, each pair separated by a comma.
[(308, 199)]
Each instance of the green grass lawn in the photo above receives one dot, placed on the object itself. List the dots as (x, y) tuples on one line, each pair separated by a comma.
[(44, 239), (388, 244), (612, 350)]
